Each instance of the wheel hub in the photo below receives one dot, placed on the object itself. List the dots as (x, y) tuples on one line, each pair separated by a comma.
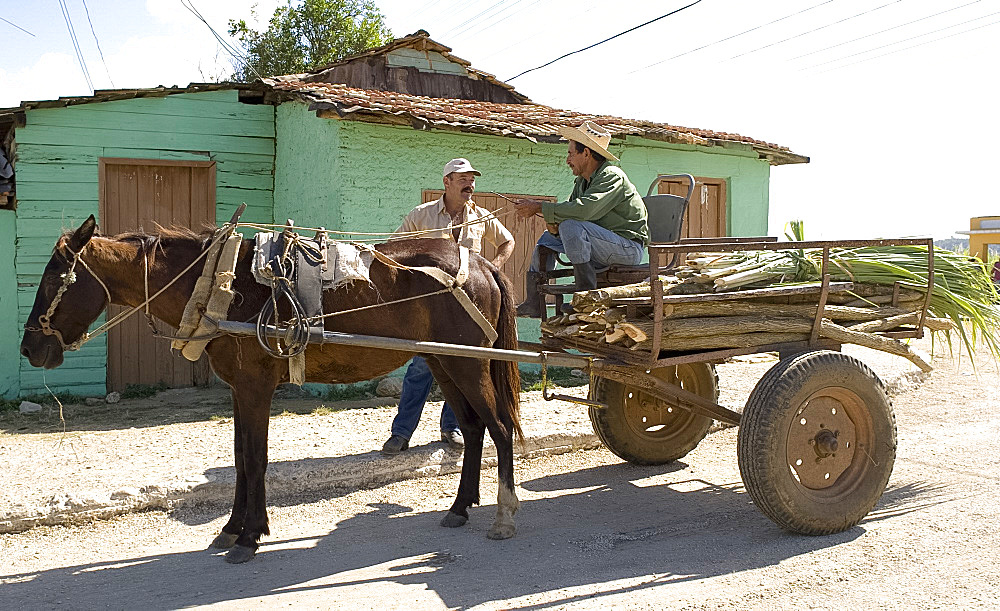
[(821, 441)]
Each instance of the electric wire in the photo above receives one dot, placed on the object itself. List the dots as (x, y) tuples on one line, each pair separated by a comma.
[(498, 18), (721, 40), (76, 44), (17, 26), (895, 27), (460, 27), (817, 29), (892, 44), (243, 59), (606, 40), (98, 43), (582, 10)]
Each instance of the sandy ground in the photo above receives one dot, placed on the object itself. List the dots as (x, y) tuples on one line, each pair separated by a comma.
[(594, 533)]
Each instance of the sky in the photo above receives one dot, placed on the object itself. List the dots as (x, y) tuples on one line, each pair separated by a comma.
[(893, 101)]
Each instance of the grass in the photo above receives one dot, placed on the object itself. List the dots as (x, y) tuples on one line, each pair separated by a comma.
[(65, 398), (557, 376), (350, 392), (142, 391)]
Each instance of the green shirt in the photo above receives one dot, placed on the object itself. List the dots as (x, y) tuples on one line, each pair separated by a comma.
[(608, 199)]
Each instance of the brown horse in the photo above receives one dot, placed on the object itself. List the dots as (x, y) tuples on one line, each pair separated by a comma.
[(483, 393)]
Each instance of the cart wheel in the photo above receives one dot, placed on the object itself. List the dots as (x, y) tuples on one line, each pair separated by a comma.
[(817, 442), (644, 430)]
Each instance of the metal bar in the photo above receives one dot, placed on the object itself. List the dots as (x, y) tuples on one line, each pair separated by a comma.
[(768, 245), (668, 392), (823, 292), (930, 285), (710, 241), (409, 345), (656, 294), (801, 289), (720, 355)]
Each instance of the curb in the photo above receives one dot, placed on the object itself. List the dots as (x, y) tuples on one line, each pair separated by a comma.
[(355, 471)]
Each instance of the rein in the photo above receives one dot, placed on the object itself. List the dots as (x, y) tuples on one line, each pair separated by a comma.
[(70, 277)]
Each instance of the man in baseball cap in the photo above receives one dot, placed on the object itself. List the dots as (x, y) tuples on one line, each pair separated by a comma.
[(603, 222), (452, 217)]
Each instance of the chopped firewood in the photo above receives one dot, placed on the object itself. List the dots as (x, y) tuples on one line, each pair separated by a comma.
[(634, 332), (615, 335)]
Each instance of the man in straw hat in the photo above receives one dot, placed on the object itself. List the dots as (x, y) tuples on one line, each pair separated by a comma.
[(453, 217), (602, 224)]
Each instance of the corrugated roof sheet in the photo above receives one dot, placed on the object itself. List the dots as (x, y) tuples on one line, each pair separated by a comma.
[(535, 122)]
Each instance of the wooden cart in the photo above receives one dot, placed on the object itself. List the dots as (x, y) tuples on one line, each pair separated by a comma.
[(817, 437)]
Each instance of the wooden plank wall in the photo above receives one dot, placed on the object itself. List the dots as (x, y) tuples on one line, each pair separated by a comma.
[(56, 161)]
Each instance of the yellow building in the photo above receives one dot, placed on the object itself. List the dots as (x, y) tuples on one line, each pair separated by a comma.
[(983, 231)]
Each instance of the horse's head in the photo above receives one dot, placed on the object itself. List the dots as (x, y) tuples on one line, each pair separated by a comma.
[(68, 300)]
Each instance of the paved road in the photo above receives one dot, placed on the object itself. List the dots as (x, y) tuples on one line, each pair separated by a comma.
[(594, 533)]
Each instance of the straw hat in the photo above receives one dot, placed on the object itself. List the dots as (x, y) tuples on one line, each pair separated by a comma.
[(590, 135)]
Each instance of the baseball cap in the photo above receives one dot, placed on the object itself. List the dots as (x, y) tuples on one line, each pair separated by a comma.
[(460, 165)]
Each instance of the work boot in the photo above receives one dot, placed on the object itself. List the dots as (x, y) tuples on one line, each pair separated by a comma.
[(586, 280), (394, 445), (530, 308), (454, 439)]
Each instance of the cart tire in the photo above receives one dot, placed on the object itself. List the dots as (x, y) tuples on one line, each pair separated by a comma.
[(645, 430), (817, 442)]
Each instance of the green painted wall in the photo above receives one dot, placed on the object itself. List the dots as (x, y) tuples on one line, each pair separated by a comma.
[(366, 177), (56, 162), (10, 379)]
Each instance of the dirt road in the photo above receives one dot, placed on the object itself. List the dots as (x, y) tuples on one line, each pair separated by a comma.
[(594, 533)]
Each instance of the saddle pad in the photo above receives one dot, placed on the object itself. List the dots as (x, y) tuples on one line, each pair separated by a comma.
[(343, 262)]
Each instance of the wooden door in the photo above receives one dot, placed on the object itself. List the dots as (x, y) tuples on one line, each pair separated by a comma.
[(138, 194), (705, 216), (525, 232)]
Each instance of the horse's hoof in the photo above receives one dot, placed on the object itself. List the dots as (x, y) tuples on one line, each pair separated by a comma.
[(501, 531), (224, 541), (240, 554), (453, 520)]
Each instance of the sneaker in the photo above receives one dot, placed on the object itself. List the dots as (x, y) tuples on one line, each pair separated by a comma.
[(454, 439), (394, 445)]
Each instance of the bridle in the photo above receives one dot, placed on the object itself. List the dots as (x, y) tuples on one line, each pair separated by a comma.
[(44, 325), (69, 277)]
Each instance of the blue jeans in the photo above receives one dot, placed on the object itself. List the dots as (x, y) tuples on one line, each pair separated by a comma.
[(416, 386), (583, 242)]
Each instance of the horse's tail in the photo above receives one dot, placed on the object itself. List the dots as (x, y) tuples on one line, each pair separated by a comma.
[(505, 374)]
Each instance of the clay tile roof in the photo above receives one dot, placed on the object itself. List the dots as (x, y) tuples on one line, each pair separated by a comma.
[(534, 122)]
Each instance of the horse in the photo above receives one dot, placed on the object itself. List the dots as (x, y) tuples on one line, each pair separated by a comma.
[(483, 393)]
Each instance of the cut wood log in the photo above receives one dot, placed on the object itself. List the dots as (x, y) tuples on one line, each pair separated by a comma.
[(715, 342), (633, 331), (614, 336), (910, 318), (834, 331), (749, 308)]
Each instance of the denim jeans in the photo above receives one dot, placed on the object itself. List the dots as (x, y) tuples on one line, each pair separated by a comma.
[(416, 386), (583, 241)]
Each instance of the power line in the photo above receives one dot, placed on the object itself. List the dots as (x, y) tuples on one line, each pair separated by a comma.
[(895, 27), (499, 18), (98, 43), (605, 40), (17, 26), (461, 27), (189, 5), (733, 36), (818, 29), (916, 45), (581, 10), (892, 44), (76, 44)]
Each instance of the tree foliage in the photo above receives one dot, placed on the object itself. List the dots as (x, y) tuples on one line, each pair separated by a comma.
[(306, 34)]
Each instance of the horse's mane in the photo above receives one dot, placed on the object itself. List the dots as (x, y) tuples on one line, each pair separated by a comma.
[(148, 242)]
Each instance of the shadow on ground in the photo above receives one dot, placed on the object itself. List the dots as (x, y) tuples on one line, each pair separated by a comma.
[(604, 525)]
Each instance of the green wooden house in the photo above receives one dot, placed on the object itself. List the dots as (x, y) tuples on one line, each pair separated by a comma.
[(352, 146)]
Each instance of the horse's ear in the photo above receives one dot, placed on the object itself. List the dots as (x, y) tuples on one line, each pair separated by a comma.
[(82, 235)]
